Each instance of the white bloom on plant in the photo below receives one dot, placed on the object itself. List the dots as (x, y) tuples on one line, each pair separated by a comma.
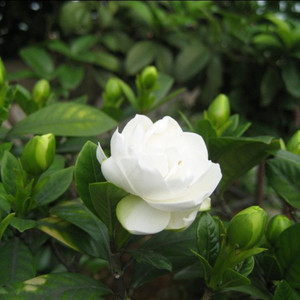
[(166, 171)]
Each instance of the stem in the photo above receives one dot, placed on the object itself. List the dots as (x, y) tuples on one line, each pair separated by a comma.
[(118, 274), (260, 183), (207, 294)]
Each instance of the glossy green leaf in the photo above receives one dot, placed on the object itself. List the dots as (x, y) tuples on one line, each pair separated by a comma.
[(208, 237), (283, 173), (287, 254), (291, 78), (16, 263), (105, 197), (77, 214), (206, 267), (5, 222), (140, 55), (4, 147), (232, 278), (284, 291), (246, 266), (22, 224), (67, 286), (151, 258), (238, 155), (190, 61), (87, 170), (70, 119), (38, 59), (57, 183)]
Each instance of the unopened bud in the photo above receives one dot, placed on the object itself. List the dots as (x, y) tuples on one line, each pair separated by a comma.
[(38, 154), (41, 92), (149, 77), (113, 89), (277, 225), (247, 227), (219, 110), (293, 144)]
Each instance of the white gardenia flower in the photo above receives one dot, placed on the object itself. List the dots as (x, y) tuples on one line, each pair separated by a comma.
[(166, 171)]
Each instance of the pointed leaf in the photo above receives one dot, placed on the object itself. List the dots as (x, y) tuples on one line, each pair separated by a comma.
[(105, 197), (206, 267), (67, 286), (70, 119), (22, 224), (291, 78), (16, 263), (284, 291), (232, 278), (5, 222), (87, 170)]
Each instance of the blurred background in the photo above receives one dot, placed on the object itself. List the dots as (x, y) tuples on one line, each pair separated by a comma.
[(248, 50)]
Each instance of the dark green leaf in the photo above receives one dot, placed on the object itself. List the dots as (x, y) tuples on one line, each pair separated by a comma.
[(291, 78), (270, 85), (87, 170), (232, 279), (5, 222), (60, 47), (70, 119), (57, 183), (190, 61), (16, 263), (164, 60), (83, 43), (208, 237), (105, 197), (287, 254), (246, 266), (4, 147), (206, 130), (151, 258), (38, 59), (139, 56), (283, 174), (238, 155), (284, 291), (206, 267), (22, 224), (70, 76), (25, 100), (4, 204), (67, 286), (77, 214), (164, 84)]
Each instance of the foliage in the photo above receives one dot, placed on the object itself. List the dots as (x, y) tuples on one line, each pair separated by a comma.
[(59, 233)]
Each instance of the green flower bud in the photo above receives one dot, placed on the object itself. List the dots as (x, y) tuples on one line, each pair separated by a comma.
[(2, 73), (148, 77), (38, 154), (247, 227), (219, 110), (293, 144), (113, 89), (277, 225), (41, 92)]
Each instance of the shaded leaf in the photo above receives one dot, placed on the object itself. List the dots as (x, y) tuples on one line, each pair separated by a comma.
[(284, 291), (5, 222), (22, 224), (232, 279), (291, 78)]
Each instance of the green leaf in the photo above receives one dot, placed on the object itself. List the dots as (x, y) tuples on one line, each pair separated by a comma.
[(190, 61), (140, 10), (129, 94), (87, 170), (291, 78), (105, 197), (5, 222), (60, 47), (38, 59), (4, 203), (57, 183), (151, 258), (287, 254), (270, 85), (164, 84), (208, 237), (70, 76), (4, 147), (67, 286), (25, 100), (206, 267), (232, 279), (140, 55), (9, 166), (206, 130), (284, 291), (283, 175), (264, 40), (83, 43), (246, 266), (22, 224), (238, 155), (70, 119), (77, 214), (16, 263), (164, 60)]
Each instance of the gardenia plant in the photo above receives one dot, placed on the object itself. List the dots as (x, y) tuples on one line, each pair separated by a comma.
[(166, 172)]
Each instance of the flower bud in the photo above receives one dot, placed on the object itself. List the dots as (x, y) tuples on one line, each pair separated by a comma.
[(38, 154), (293, 144), (277, 225), (148, 77), (2, 73), (113, 89), (247, 227), (219, 110), (41, 92)]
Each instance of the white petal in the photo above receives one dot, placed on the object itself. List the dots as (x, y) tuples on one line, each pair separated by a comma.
[(138, 121), (182, 219), (195, 195), (138, 217), (100, 154)]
